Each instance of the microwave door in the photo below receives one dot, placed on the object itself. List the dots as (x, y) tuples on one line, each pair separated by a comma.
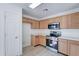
[(54, 26)]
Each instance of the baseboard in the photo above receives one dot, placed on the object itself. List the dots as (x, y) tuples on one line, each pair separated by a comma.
[(62, 53)]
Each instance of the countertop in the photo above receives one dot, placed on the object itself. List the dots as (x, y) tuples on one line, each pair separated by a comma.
[(70, 38), (64, 37), (38, 35)]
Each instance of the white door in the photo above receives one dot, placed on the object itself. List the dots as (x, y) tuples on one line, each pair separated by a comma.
[(12, 32), (2, 48), (26, 29)]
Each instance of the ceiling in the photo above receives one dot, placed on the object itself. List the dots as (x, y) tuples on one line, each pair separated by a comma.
[(53, 8)]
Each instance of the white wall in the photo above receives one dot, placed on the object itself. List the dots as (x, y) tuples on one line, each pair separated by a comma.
[(5, 8), (26, 31), (2, 47)]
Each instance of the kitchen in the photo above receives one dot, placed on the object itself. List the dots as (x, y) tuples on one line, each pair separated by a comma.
[(49, 29), (65, 25)]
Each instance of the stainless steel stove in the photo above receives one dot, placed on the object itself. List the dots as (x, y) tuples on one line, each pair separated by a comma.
[(52, 41)]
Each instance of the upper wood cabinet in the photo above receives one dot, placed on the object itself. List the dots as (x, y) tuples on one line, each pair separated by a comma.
[(65, 22), (74, 23), (34, 23), (70, 21), (44, 23)]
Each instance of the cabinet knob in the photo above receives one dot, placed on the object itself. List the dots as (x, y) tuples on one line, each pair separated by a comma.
[(16, 37)]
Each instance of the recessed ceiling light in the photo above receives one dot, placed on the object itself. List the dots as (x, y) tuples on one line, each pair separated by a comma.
[(34, 5)]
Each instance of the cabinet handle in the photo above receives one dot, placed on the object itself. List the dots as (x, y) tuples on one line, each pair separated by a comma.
[(16, 37)]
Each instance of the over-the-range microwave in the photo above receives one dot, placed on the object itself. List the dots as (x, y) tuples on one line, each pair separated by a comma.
[(55, 25)]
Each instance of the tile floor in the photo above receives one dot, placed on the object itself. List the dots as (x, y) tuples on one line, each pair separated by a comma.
[(38, 51)]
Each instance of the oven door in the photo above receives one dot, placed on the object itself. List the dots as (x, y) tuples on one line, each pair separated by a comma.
[(53, 43)]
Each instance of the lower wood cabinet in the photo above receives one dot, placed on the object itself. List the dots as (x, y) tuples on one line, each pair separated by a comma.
[(73, 48), (63, 46), (42, 40), (68, 47), (35, 40), (39, 39)]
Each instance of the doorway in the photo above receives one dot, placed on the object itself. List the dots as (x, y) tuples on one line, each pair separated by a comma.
[(26, 32)]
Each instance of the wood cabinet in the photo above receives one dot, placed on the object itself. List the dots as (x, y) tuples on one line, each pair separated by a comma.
[(74, 23), (42, 40), (68, 47), (73, 48), (70, 21), (36, 40), (34, 23), (44, 23), (65, 22), (63, 46)]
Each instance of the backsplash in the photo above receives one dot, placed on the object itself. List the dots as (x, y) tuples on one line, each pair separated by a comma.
[(70, 32), (43, 32), (64, 32)]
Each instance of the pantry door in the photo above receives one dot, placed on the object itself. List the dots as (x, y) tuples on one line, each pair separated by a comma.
[(26, 30), (12, 32)]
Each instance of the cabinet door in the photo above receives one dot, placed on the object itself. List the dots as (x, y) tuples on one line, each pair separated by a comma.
[(65, 22), (62, 46), (75, 21), (42, 40), (44, 24), (73, 48), (35, 40), (13, 32), (56, 19), (35, 24)]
